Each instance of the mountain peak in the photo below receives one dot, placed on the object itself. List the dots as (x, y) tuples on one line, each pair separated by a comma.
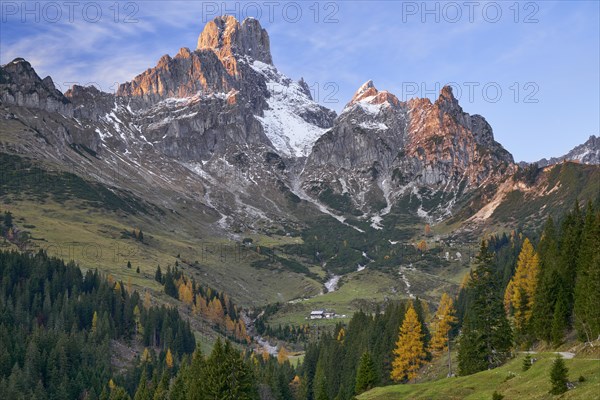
[(226, 37), (368, 93), (447, 100)]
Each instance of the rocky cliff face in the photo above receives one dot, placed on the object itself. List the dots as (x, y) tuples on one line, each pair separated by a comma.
[(381, 148), (21, 86), (229, 40), (226, 94)]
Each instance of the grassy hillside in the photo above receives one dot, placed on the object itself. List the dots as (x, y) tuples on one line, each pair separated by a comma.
[(532, 384)]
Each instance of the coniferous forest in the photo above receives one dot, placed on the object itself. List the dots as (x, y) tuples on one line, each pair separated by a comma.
[(59, 325)]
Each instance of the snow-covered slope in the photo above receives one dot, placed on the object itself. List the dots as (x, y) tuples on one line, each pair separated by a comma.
[(293, 121)]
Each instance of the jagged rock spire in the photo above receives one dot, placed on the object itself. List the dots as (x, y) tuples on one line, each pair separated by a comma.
[(226, 36)]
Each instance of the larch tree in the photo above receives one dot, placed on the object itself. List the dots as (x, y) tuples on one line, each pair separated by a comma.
[(169, 359), (283, 355), (410, 348), (520, 292), (442, 323)]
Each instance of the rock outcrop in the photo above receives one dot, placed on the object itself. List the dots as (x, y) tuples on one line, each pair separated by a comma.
[(230, 39), (379, 147), (20, 85)]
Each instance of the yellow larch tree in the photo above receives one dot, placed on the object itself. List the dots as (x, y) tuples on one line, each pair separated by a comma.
[(185, 293), (410, 349), (520, 292), (145, 355), (94, 323), (442, 324), (283, 355), (265, 355), (169, 359)]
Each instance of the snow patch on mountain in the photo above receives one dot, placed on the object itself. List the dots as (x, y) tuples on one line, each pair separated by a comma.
[(282, 122)]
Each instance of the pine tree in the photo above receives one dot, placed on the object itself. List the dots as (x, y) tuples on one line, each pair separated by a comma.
[(587, 286), (526, 362), (170, 288), (548, 285), (162, 390), (8, 219), (443, 321), (559, 376), (158, 277), (486, 335), (559, 319), (320, 382), (226, 375), (410, 350), (520, 292), (366, 377), (194, 384), (143, 392)]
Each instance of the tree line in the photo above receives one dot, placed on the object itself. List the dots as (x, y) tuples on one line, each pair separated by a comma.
[(57, 326)]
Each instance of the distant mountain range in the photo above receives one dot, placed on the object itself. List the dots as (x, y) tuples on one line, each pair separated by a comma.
[(586, 153)]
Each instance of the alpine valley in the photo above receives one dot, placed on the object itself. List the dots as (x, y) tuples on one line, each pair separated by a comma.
[(216, 166)]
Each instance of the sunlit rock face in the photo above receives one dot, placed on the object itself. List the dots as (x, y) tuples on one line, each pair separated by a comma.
[(381, 148)]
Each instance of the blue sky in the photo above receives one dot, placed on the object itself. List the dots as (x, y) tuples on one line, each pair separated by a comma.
[(530, 68)]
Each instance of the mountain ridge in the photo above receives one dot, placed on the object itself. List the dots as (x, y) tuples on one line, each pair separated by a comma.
[(224, 109)]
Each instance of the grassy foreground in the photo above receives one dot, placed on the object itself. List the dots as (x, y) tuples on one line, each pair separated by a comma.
[(532, 384)]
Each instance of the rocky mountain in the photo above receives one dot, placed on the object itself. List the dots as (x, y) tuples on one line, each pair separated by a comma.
[(381, 149), (20, 85), (217, 144), (586, 153)]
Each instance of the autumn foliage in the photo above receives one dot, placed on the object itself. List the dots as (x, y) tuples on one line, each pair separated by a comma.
[(410, 348), (443, 321)]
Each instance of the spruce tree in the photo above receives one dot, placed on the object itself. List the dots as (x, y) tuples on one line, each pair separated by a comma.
[(560, 317), (8, 219), (548, 284), (143, 392), (365, 376), (587, 286), (320, 383), (486, 336), (158, 275), (526, 362), (194, 382), (559, 376), (226, 375)]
